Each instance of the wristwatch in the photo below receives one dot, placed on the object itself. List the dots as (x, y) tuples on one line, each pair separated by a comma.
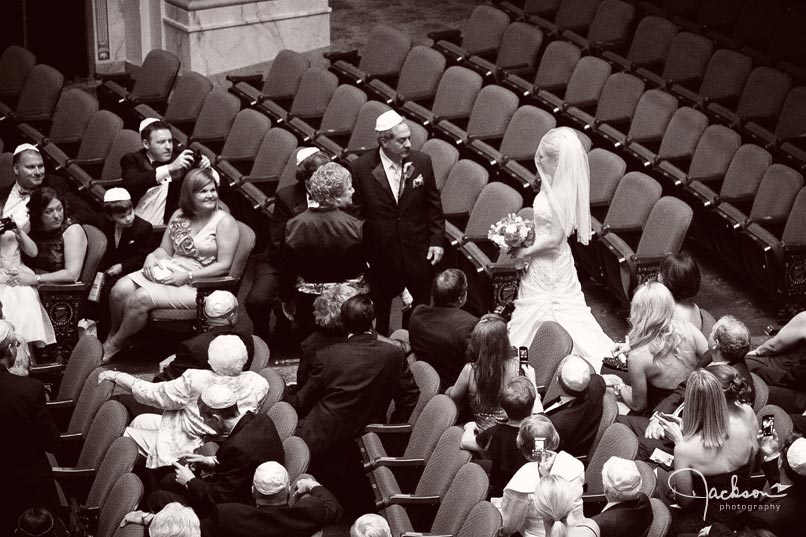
[(617, 390)]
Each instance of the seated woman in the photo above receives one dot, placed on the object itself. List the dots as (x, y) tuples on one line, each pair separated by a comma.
[(681, 275), (322, 246), (200, 241), (714, 443), (491, 366), (538, 440), (663, 350), (555, 499), (18, 282), (162, 439)]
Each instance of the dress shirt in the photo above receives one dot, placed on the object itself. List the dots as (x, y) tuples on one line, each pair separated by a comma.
[(151, 206), (394, 173)]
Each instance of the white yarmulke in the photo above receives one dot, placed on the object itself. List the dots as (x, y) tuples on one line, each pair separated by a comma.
[(306, 152), (621, 474), (218, 396), (117, 194), (227, 355), (25, 147), (146, 122), (270, 478), (388, 120), (575, 373), (796, 456), (219, 303)]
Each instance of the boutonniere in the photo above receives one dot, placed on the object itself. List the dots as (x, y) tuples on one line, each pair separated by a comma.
[(418, 181), (408, 170)]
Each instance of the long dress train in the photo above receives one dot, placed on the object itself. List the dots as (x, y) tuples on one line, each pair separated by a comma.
[(550, 291)]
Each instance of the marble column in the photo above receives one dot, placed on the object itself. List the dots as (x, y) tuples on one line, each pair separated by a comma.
[(213, 36)]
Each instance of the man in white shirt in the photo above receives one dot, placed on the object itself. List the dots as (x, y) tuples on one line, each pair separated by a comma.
[(153, 175)]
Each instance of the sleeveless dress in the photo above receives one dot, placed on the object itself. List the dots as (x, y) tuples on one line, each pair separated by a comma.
[(550, 291), (21, 305), (191, 253)]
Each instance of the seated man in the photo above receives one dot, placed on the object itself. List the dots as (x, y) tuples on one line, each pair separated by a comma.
[(175, 520), (279, 509), (221, 311), (729, 343), (153, 175), (628, 511), (577, 412), (439, 334), (251, 439)]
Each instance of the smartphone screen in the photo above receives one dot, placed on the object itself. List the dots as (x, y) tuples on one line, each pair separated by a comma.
[(768, 425), (523, 355)]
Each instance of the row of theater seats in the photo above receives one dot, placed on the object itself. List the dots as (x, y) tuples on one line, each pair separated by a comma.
[(766, 31)]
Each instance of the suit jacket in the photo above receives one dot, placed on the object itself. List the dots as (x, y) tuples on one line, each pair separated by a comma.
[(139, 175), (192, 353), (136, 242), (78, 209), (632, 518), (253, 441), (439, 336), (398, 234), (578, 420), (305, 517), (351, 385), (288, 203)]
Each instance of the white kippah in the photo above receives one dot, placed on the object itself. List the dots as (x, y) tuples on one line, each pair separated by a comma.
[(117, 194), (388, 120), (146, 122), (621, 474), (575, 373), (219, 303), (218, 396), (270, 478), (25, 147), (796, 456), (306, 152), (227, 355)]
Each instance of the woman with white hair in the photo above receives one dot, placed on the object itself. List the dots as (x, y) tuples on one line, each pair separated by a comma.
[(173, 520), (550, 289), (180, 428), (555, 500), (323, 245), (663, 350)]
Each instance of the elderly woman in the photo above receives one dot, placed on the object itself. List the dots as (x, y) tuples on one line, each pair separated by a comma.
[(663, 350), (179, 430), (200, 241), (538, 440), (323, 245)]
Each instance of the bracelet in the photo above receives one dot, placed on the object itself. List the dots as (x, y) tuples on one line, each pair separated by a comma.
[(617, 391), (38, 280), (190, 278)]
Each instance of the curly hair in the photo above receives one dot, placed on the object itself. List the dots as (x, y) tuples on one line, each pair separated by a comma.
[(327, 306), (731, 338), (329, 184), (653, 321), (736, 388)]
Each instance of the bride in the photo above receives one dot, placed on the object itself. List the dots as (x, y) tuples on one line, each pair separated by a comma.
[(550, 290)]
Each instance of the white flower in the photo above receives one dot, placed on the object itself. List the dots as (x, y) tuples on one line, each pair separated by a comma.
[(511, 228)]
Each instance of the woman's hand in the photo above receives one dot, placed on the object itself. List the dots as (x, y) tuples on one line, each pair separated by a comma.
[(200, 460), (546, 462), (23, 278), (673, 430), (148, 267), (770, 448), (654, 430), (176, 278), (612, 380), (115, 270)]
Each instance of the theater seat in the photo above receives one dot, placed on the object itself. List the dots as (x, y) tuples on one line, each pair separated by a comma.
[(280, 84), (419, 78), (151, 84), (16, 64), (184, 104), (481, 35), (73, 113), (37, 100), (382, 57)]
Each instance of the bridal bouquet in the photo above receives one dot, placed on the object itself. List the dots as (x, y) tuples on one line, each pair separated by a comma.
[(512, 232)]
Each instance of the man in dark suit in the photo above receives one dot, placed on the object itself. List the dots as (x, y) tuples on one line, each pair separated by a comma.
[(153, 175), (29, 433), (252, 440), (221, 312), (397, 196), (280, 509), (351, 385), (439, 334), (628, 512), (577, 412), (29, 170), (288, 203)]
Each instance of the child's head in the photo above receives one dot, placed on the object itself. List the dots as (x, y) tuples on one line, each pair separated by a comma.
[(518, 398), (118, 207)]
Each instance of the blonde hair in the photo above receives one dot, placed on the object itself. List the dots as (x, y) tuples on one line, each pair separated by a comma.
[(706, 409), (652, 319), (554, 500)]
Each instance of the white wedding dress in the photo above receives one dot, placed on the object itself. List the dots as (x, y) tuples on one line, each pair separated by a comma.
[(550, 291)]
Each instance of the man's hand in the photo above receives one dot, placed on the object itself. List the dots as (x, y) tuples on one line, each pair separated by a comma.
[(546, 462), (769, 446), (435, 254), (304, 486), (182, 162), (183, 474), (108, 375), (114, 270), (201, 460), (141, 518), (654, 430), (204, 162)]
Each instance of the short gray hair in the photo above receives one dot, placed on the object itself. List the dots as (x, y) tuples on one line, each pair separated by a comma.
[(329, 183), (175, 520), (370, 525), (327, 306), (732, 338)]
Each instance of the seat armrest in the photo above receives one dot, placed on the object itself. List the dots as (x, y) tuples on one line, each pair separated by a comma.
[(60, 405), (455, 235), (483, 65), (452, 35), (260, 178), (672, 172), (213, 283), (447, 48), (46, 369), (62, 472), (518, 84), (398, 462), (380, 428), (349, 56), (71, 437), (617, 137), (618, 247), (346, 68), (760, 132), (63, 287), (120, 78), (255, 81), (704, 194), (418, 112), (619, 60), (732, 215), (409, 499), (87, 161)]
